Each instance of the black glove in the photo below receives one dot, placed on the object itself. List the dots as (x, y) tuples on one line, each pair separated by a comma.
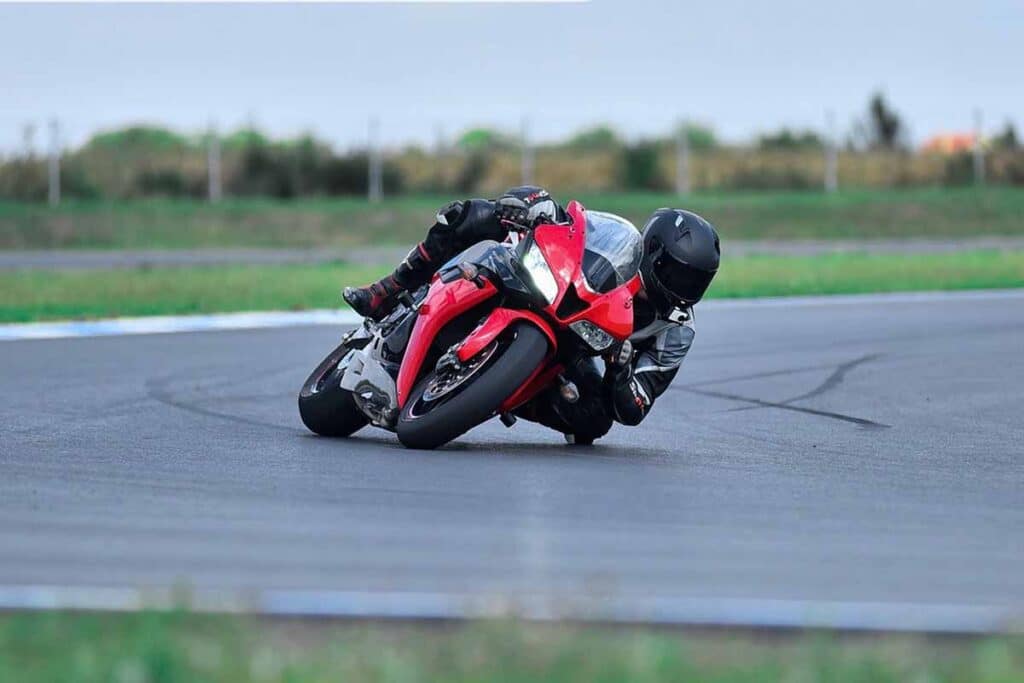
[(522, 208), (620, 356)]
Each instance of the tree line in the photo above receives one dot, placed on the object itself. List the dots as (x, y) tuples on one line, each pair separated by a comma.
[(151, 161)]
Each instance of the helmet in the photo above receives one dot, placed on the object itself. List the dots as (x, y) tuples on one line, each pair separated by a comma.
[(681, 255)]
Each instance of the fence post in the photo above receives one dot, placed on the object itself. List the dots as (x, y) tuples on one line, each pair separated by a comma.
[(683, 158), (979, 151), (375, 180), (526, 154), (53, 167), (831, 153), (213, 168)]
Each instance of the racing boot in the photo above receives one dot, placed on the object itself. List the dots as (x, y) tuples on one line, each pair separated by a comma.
[(378, 299)]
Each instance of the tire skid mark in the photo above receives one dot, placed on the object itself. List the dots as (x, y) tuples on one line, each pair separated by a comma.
[(831, 382), (760, 403), (157, 389)]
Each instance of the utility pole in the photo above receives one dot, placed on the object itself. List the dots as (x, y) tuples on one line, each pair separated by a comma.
[(979, 151), (831, 153), (683, 158), (526, 155), (53, 167), (213, 167), (375, 181)]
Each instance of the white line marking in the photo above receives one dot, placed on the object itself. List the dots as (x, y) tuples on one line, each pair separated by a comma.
[(269, 319), (896, 616)]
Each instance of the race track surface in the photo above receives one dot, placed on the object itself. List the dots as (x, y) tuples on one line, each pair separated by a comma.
[(855, 461)]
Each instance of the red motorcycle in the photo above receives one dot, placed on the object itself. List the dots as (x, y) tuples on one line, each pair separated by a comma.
[(496, 326)]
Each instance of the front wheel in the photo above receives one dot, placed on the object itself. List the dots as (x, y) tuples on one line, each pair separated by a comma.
[(448, 402), (327, 409)]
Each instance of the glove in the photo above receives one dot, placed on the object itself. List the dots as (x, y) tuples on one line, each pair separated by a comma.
[(522, 208), (620, 357)]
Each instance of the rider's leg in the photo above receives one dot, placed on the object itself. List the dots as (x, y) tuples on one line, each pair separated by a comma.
[(378, 299), (458, 225), (587, 418)]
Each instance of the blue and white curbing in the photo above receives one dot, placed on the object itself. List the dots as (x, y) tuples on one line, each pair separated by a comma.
[(667, 611), (272, 319), (164, 324)]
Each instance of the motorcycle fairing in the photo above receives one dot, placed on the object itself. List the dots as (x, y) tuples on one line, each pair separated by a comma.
[(564, 245), (497, 322), (444, 302)]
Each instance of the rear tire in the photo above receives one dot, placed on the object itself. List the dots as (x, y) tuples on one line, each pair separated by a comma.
[(478, 398), (327, 409)]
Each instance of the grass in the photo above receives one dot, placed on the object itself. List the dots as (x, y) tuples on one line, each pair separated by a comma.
[(179, 647), (48, 295), (851, 214)]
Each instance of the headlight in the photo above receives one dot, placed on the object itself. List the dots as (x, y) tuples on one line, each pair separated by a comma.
[(598, 339), (540, 273)]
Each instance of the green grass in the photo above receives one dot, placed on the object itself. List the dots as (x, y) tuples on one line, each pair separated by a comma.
[(179, 648), (852, 214), (47, 295)]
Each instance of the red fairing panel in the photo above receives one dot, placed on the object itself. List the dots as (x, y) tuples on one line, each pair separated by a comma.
[(542, 377), (563, 248), (499, 320), (443, 303)]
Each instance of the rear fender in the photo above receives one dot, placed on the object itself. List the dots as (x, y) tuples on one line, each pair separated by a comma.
[(499, 320)]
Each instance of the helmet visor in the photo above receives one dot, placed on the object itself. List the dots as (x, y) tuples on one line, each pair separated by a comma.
[(681, 280)]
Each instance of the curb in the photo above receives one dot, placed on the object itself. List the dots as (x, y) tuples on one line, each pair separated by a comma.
[(253, 320)]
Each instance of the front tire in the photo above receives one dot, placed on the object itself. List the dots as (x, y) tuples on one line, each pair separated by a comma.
[(327, 409), (427, 424)]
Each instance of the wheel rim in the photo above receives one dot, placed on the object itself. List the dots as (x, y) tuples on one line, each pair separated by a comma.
[(443, 386)]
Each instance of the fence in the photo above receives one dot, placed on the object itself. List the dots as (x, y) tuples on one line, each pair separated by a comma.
[(213, 167)]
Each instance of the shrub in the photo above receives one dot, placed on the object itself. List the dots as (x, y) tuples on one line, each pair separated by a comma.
[(640, 168)]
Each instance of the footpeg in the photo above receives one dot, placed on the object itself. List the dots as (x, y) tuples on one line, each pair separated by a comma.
[(507, 419)]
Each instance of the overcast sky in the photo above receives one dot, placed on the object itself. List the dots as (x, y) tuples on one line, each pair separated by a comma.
[(638, 65)]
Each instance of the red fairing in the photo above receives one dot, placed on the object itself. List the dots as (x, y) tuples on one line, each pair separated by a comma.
[(563, 247), (499, 320), (443, 303), (539, 380)]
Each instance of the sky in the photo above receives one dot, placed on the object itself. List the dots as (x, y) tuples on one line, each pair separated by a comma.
[(426, 70)]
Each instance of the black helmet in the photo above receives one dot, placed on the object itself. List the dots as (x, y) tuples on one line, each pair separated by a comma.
[(680, 258)]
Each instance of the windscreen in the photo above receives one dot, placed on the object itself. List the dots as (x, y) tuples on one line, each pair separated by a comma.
[(612, 253)]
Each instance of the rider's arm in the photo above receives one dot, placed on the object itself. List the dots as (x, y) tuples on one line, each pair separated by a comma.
[(633, 388)]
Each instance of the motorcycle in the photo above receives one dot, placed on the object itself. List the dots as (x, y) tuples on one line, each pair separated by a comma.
[(496, 326)]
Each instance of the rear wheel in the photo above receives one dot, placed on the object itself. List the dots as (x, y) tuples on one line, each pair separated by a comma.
[(327, 409), (453, 399)]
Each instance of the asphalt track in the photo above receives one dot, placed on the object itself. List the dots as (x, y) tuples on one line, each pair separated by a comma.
[(855, 464)]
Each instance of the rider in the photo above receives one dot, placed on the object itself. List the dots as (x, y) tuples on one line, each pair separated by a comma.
[(681, 254)]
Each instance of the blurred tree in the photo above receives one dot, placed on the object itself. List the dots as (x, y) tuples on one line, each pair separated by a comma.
[(786, 139), (882, 128), (144, 139), (244, 137), (598, 137), (700, 137), (640, 169), (483, 138), (1007, 139)]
